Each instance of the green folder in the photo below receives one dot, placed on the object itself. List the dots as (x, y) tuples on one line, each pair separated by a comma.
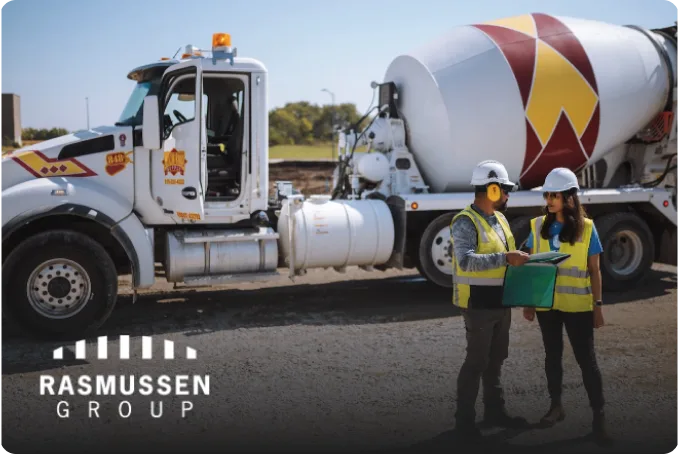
[(533, 283)]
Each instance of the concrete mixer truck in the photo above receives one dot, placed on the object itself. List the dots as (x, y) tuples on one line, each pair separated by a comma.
[(181, 180)]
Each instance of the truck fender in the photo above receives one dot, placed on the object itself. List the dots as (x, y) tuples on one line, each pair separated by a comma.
[(34, 199), (46, 192)]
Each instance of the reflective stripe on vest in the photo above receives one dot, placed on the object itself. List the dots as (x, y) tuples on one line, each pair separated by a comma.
[(572, 272), (488, 242), (573, 292), (488, 281)]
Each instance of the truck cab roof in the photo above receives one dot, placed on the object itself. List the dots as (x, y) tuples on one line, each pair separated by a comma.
[(240, 64)]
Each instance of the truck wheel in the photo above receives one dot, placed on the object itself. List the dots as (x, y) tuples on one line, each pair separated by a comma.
[(435, 252), (60, 284), (628, 250)]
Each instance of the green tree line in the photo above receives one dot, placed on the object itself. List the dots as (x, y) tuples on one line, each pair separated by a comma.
[(303, 123), (42, 134), (298, 123)]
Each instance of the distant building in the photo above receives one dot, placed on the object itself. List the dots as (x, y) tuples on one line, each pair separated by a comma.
[(11, 118)]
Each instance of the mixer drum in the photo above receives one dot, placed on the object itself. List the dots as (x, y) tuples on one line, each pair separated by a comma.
[(534, 92)]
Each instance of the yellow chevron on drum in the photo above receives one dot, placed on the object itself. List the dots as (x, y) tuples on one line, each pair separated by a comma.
[(558, 86), (524, 24)]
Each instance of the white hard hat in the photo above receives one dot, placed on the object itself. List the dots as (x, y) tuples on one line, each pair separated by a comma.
[(490, 172), (560, 179)]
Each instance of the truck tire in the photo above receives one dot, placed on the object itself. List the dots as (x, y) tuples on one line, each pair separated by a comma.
[(628, 250), (60, 284), (435, 252)]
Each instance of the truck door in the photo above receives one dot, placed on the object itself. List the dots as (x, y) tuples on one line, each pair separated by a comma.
[(178, 170)]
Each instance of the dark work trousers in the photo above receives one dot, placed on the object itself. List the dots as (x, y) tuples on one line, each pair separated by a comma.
[(487, 348), (580, 330)]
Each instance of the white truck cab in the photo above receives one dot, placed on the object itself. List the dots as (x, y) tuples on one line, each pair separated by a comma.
[(187, 151)]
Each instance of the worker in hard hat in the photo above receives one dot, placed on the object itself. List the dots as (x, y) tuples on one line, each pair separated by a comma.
[(483, 245), (577, 298)]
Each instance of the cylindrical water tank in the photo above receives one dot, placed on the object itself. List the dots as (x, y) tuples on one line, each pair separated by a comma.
[(534, 92), (374, 167), (336, 233)]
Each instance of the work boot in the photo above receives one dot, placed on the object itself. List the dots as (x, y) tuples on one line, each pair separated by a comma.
[(555, 414), (498, 417), (468, 433), (599, 429)]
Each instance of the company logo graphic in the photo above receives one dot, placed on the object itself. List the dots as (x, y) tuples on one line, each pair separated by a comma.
[(116, 162), (124, 350), (558, 88), (174, 162), (40, 166), (122, 138), (106, 387)]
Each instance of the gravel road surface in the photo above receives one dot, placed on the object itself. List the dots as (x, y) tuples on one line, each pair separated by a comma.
[(334, 363)]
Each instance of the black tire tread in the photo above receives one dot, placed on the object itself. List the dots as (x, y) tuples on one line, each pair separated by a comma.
[(100, 260)]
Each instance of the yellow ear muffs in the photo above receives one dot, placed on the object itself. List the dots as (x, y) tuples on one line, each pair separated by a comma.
[(493, 192)]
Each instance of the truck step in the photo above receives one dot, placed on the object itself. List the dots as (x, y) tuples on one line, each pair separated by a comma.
[(209, 236), (225, 279)]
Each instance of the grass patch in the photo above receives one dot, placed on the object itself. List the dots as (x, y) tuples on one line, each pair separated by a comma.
[(302, 152)]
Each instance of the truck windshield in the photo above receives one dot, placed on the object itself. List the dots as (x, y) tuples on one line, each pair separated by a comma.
[(133, 112)]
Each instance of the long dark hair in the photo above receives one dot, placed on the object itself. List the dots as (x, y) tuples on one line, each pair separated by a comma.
[(574, 218)]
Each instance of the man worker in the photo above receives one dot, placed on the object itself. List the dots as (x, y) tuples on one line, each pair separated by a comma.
[(483, 246)]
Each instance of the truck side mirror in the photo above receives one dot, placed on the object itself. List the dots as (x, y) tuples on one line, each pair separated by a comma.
[(151, 128)]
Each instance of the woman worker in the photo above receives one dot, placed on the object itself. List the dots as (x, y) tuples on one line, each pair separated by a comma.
[(577, 299)]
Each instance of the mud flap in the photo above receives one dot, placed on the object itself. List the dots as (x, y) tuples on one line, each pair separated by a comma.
[(667, 249), (397, 207)]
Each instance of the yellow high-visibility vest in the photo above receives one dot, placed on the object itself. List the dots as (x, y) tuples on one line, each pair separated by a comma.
[(483, 288), (573, 292)]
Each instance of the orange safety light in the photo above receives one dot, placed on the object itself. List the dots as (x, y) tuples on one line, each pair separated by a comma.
[(221, 40), (414, 205)]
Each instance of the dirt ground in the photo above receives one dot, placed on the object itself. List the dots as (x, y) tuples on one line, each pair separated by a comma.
[(362, 361), (313, 177)]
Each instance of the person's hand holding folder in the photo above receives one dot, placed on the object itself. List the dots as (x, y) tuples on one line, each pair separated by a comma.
[(517, 258)]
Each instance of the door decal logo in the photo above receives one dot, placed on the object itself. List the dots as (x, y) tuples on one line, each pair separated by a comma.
[(174, 163), (116, 162)]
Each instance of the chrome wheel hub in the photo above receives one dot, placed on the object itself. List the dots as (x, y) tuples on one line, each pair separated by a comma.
[(58, 288), (442, 251), (626, 252)]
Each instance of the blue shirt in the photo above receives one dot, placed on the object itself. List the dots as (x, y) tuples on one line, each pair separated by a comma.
[(595, 246)]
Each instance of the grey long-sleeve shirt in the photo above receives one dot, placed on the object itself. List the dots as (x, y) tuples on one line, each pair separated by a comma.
[(465, 239)]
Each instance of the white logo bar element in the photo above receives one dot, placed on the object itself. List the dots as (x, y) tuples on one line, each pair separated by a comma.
[(124, 350)]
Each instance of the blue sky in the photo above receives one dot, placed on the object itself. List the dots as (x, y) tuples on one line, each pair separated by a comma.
[(57, 52)]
